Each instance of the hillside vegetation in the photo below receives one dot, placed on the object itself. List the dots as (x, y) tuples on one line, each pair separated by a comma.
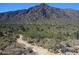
[(44, 35)]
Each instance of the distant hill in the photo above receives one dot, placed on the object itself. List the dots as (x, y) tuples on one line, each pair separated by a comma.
[(41, 13)]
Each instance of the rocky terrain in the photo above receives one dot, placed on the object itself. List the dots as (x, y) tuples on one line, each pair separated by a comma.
[(41, 13)]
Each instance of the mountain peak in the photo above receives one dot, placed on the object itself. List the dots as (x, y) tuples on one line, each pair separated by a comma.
[(43, 4)]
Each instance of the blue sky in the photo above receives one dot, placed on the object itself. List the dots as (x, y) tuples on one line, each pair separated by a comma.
[(4, 7)]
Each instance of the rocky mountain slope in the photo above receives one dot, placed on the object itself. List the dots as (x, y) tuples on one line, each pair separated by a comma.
[(41, 13)]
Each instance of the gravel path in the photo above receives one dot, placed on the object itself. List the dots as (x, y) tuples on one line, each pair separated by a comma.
[(38, 50)]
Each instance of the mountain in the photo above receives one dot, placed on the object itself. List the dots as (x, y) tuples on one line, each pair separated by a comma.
[(41, 13)]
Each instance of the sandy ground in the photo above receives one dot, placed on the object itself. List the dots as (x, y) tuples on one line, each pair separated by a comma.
[(38, 50)]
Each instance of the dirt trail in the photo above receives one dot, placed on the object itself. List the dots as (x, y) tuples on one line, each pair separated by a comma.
[(38, 50)]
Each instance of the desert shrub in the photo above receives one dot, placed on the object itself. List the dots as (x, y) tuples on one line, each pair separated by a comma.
[(38, 33)]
